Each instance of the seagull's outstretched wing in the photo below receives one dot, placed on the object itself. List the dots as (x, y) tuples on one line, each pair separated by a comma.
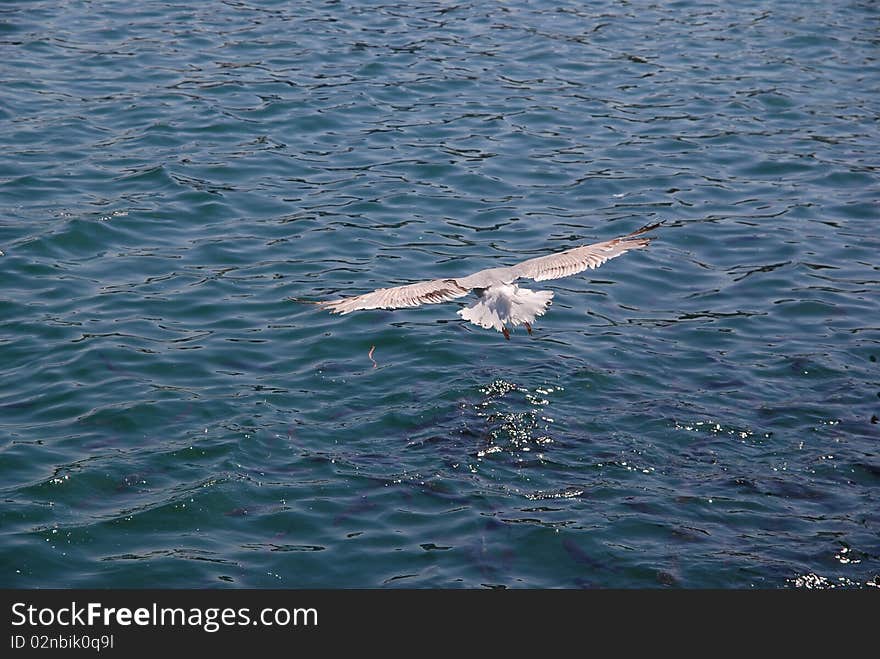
[(411, 295), (578, 259), (552, 266)]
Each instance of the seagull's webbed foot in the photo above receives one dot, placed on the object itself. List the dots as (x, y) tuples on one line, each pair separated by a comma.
[(528, 328), (506, 333)]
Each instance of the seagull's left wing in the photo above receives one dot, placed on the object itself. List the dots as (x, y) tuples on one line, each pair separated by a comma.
[(411, 295), (578, 259)]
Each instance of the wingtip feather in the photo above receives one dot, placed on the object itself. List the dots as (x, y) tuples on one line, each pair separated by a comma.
[(333, 306), (646, 229)]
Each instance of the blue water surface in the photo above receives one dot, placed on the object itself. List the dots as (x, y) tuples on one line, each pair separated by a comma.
[(178, 180)]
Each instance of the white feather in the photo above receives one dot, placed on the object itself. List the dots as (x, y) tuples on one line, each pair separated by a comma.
[(507, 304), (501, 302)]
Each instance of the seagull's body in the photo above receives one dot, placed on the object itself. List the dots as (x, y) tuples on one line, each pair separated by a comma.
[(500, 302)]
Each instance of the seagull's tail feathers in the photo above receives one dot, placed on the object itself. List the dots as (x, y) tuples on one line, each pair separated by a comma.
[(507, 306)]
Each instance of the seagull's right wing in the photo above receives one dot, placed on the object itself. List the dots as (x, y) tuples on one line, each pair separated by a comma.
[(411, 295), (578, 259)]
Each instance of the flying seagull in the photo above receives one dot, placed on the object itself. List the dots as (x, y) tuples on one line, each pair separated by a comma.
[(500, 302)]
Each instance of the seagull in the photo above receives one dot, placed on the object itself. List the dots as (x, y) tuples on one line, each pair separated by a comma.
[(500, 303)]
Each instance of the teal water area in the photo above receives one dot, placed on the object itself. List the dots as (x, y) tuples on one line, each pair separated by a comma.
[(177, 179)]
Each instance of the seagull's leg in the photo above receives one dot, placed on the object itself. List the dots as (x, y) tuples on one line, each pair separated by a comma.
[(506, 333), (528, 328)]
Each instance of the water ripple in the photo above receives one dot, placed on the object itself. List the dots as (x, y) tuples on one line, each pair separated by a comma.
[(179, 180)]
